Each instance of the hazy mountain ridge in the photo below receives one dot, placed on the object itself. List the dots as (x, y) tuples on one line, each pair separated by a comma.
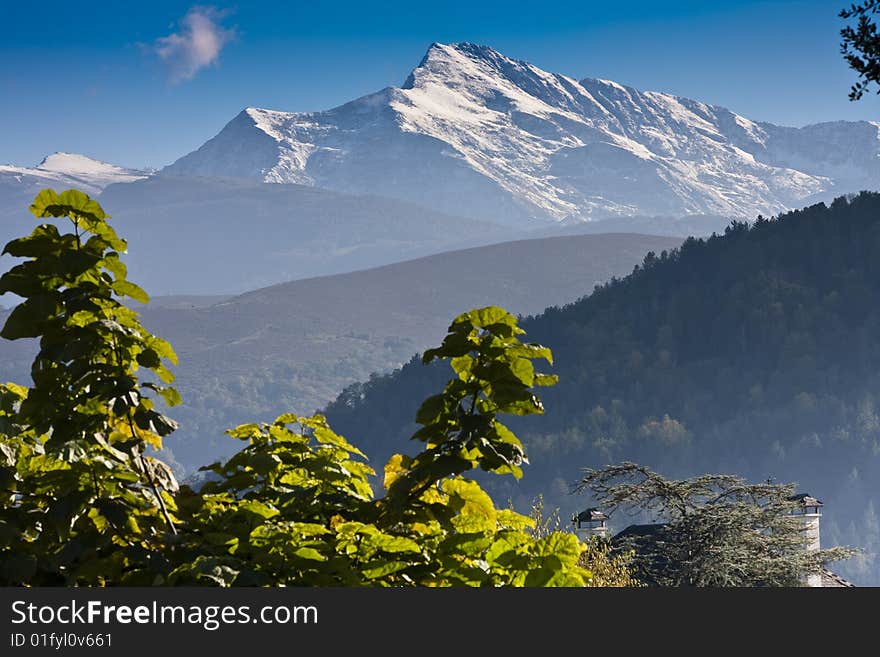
[(294, 346), (201, 236), (471, 128)]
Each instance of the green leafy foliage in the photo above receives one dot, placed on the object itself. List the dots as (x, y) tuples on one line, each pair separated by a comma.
[(83, 504), (608, 567), (460, 427), (295, 506)]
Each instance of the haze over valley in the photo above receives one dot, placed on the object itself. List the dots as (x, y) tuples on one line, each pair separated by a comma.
[(706, 279)]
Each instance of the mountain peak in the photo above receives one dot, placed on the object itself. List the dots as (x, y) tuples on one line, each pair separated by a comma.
[(78, 164), (473, 50), (463, 48), (63, 170), (62, 161), (445, 58), (511, 142)]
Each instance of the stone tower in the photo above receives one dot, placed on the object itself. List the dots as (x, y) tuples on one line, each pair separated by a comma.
[(809, 511)]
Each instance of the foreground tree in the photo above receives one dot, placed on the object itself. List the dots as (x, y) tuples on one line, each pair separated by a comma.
[(82, 501), (83, 504), (296, 507), (860, 45), (716, 530), (608, 567)]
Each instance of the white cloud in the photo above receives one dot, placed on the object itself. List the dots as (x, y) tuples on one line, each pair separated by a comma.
[(195, 45)]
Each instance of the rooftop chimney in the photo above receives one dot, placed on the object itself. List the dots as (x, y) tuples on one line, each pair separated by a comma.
[(809, 510), (590, 522)]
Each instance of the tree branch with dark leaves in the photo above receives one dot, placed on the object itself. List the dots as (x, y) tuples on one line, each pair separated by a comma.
[(860, 45), (717, 529)]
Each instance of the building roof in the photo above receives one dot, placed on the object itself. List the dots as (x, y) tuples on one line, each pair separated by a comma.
[(647, 541), (832, 580), (590, 515), (641, 531), (806, 500)]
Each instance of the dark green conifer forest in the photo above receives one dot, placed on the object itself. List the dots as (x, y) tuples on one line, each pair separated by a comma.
[(755, 352)]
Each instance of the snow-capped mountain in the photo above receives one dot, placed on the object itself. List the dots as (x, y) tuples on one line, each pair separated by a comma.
[(474, 132), (68, 170), (59, 171)]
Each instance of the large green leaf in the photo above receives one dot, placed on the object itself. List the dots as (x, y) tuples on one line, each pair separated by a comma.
[(71, 202), (29, 318), (484, 317), (129, 289), (44, 240)]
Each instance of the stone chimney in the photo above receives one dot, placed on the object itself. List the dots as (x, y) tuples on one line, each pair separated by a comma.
[(590, 522), (809, 511)]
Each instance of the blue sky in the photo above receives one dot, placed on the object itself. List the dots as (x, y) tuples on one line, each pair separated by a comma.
[(120, 82)]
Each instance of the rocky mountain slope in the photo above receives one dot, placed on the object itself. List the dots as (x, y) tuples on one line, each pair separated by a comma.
[(474, 132)]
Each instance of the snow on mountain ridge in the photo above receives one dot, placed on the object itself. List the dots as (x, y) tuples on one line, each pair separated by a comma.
[(473, 131), (71, 163), (70, 170)]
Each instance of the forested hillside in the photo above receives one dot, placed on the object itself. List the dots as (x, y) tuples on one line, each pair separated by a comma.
[(293, 347), (755, 352)]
